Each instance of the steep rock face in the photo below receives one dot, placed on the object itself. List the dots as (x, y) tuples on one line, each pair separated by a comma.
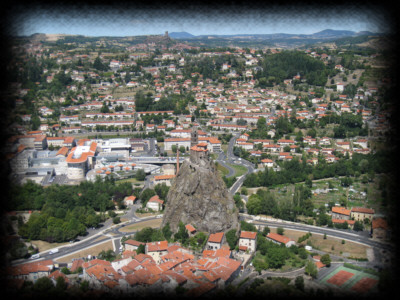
[(198, 196)]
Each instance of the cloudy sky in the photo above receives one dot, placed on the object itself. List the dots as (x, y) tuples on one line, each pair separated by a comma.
[(128, 21)]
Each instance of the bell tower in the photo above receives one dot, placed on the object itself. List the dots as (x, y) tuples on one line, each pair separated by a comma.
[(194, 137)]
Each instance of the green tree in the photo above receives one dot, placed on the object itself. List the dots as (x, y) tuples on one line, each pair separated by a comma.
[(266, 230), (299, 283), (182, 235), (140, 175), (43, 286), (311, 269), (141, 249), (231, 238), (166, 230), (146, 195), (358, 226), (326, 260)]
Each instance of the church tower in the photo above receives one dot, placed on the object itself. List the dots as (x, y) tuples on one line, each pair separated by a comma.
[(194, 137)]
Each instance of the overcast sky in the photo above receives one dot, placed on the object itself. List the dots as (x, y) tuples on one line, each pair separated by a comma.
[(121, 21)]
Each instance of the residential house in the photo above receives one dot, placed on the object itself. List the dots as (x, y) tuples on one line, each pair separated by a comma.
[(155, 203), (31, 271), (130, 200), (132, 245), (379, 229), (191, 230), (269, 163), (166, 178), (350, 223), (340, 213), (362, 213), (280, 239), (156, 250), (215, 241), (248, 241)]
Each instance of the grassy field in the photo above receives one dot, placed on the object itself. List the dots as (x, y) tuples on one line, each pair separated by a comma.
[(131, 180), (240, 170), (222, 170), (224, 147)]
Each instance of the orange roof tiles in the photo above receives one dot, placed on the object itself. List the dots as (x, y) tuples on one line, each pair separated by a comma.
[(157, 246), (248, 235), (216, 237), (134, 242), (190, 228), (63, 151), (25, 269), (201, 290), (363, 210), (341, 210), (340, 221), (278, 238), (157, 199), (164, 177), (379, 223), (198, 149), (143, 257)]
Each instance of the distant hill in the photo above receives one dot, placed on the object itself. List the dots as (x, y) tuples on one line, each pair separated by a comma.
[(328, 33), (181, 35), (324, 34)]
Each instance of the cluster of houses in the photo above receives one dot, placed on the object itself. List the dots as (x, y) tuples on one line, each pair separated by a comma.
[(225, 105), (162, 267), (287, 149), (379, 225), (222, 107)]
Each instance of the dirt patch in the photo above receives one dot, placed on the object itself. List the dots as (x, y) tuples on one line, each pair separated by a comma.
[(151, 223), (145, 215), (330, 245), (93, 251), (43, 246)]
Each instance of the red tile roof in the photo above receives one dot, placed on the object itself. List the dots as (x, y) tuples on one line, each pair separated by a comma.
[(190, 228), (248, 235), (157, 246), (134, 243), (340, 221), (363, 210), (379, 223), (216, 237), (279, 238), (341, 210)]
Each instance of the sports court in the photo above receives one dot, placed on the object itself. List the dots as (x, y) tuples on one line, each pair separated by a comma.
[(354, 280)]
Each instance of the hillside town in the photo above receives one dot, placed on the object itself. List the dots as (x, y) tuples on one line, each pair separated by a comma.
[(92, 111)]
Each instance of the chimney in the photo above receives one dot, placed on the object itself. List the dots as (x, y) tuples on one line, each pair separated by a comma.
[(177, 161)]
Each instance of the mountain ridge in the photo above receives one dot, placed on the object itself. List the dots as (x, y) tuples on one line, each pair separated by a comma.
[(326, 33)]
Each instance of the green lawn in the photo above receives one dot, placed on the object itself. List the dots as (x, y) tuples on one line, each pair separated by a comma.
[(240, 170), (222, 170)]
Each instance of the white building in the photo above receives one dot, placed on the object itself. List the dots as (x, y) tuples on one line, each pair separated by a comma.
[(247, 241)]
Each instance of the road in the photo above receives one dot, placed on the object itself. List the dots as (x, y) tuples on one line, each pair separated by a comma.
[(110, 232), (232, 159), (105, 232), (361, 237), (222, 161)]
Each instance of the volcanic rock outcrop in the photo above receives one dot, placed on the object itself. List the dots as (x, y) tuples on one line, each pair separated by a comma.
[(199, 196)]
